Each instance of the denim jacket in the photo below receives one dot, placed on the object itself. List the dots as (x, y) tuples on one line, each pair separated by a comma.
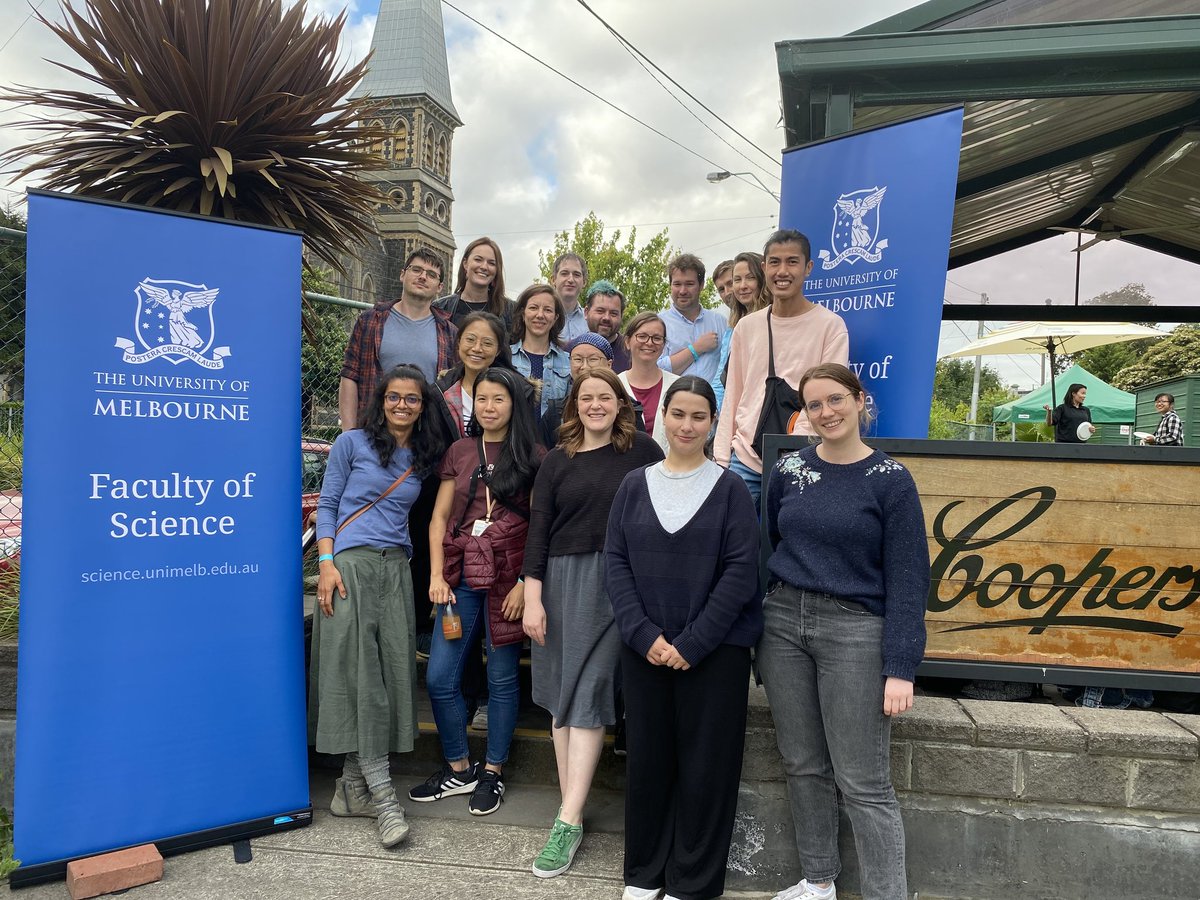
[(556, 373)]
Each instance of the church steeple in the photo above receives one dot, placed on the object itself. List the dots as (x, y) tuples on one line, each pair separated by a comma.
[(409, 77)]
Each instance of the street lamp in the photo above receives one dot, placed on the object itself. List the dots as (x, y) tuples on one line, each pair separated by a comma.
[(715, 177)]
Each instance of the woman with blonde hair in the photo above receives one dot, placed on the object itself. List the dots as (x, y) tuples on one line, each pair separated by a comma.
[(567, 612), (750, 294), (844, 632)]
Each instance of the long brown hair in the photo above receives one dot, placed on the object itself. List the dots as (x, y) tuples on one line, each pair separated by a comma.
[(496, 300), (570, 432), (847, 379), (736, 310)]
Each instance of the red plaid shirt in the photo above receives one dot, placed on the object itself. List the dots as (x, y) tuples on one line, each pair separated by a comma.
[(361, 363)]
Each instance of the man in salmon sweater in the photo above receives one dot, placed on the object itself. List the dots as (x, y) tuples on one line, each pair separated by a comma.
[(804, 335)]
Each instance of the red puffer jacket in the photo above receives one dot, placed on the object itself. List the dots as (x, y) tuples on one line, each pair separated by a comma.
[(494, 558)]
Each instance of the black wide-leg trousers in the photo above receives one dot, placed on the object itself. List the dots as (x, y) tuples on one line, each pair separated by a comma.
[(686, 732)]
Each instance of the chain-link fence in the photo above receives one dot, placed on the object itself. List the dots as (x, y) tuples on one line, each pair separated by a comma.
[(12, 382)]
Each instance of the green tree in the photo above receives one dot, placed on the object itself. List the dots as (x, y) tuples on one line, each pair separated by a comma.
[(1176, 354), (640, 272), (954, 378), (1106, 361), (942, 415)]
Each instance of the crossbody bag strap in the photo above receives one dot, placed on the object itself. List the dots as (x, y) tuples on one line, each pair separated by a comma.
[(770, 347), (395, 484)]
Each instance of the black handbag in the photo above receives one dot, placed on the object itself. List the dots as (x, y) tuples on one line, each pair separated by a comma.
[(781, 403)]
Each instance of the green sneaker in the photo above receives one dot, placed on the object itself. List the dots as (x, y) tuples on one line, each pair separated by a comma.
[(559, 851)]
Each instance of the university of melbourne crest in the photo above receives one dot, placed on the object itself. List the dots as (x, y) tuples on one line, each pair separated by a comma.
[(855, 232), (173, 320)]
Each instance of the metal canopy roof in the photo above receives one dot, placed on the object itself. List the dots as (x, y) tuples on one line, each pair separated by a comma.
[(1069, 124)]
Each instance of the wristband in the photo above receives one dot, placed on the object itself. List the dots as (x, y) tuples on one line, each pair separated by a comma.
[(695, 355), (325, 557)]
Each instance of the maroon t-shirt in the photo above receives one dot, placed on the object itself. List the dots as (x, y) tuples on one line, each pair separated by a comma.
[(649, 398), (457, 465)]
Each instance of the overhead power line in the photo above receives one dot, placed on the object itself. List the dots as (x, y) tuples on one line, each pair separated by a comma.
[(634, 54), (608, 227), (22, 25), (587, 90), (624, 41)]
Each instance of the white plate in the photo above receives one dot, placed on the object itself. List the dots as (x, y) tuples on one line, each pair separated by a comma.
[(1084, 431), (1142, 435)]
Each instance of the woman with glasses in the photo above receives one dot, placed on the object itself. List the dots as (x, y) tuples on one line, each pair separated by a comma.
[(750, 294), (479, 286), (844, 620), (362, 699), (644, 380)]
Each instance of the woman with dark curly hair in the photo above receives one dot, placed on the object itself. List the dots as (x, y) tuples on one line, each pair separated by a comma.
[(362, 699)]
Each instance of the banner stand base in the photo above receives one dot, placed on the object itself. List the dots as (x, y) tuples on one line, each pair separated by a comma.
[(26, 876)]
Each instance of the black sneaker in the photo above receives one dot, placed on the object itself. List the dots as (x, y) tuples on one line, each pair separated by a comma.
[(489, 792), (424, 644), (619, 739), (445, 783)]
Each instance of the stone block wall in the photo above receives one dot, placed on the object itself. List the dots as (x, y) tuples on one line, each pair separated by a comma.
[(1009, 800)]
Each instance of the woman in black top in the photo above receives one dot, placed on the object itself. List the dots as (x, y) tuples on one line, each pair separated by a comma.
[(1069, 415), (479, 286)]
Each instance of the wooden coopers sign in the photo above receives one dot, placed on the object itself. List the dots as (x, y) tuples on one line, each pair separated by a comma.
[(1061, 556)]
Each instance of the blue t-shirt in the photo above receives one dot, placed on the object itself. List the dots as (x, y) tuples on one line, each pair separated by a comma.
[(412, 341), (353, 479), (681, 331)]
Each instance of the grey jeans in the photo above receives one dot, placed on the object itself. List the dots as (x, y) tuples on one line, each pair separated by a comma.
[(821, 661)]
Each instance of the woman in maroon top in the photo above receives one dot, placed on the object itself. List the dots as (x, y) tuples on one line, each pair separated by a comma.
[(476, 549), (644, 381)]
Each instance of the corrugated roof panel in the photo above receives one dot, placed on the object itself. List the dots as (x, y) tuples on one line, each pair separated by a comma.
[(1036, 12), (1035, 202)]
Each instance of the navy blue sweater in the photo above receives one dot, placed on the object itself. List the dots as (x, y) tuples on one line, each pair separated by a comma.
[(698, 587), (855, 531)]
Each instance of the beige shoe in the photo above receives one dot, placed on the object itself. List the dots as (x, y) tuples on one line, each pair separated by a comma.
[(351, 798)]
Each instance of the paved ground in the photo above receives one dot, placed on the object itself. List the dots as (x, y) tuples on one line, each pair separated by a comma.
[(449, 854)]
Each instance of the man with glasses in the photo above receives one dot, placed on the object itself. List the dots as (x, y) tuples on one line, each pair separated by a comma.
[(1170, 429), (784, 340), (408, 330), (605, 309)]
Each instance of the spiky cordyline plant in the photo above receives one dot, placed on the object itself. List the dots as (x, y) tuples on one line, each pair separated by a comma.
[(230, 108)]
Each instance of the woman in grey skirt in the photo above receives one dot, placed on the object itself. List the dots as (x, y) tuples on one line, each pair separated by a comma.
[(361, 681), (567, 612)]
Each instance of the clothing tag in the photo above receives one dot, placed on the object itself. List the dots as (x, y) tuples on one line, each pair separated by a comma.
[(479, 526)]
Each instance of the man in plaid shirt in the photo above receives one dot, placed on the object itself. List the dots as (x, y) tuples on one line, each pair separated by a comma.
[(408, 330), (1170, 430)]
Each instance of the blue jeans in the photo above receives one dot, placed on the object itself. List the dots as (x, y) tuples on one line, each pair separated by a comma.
[(444, 680), (753, 479), (821, 661)]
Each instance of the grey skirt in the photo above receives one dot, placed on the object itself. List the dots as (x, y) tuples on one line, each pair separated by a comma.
[(574, 674), (363, 673)]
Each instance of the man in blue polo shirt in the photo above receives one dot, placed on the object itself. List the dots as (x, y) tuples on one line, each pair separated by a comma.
[(693, 332)]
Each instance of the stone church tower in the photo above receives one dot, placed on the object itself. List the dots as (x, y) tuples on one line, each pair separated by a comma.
[(410, 80)]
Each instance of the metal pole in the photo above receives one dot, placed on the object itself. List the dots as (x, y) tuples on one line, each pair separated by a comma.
[(983, 299)]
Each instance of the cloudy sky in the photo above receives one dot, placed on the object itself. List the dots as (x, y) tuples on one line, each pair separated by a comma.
[(536, 154)]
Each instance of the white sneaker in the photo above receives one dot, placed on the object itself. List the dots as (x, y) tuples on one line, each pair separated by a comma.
[(479, 722), (806, 891), (637, 893)]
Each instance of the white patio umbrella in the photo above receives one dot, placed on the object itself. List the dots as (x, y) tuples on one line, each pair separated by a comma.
[(1055, 338)]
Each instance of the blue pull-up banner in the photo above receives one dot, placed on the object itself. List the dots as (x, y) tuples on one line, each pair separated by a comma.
[(877, 206), (160, 682)]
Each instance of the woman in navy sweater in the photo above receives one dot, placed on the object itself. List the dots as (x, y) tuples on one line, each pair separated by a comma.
[(682, 575), (844, 632)]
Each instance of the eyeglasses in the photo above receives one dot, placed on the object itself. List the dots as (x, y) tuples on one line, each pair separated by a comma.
[(834, 401), (420, 271), (407, 399), (484, 344), (644, 337), (589, 362)]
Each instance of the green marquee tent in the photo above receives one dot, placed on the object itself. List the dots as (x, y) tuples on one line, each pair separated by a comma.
[(1108, 405)]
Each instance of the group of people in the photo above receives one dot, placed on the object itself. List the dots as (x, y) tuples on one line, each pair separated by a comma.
[(552, 472), (1072, 420)]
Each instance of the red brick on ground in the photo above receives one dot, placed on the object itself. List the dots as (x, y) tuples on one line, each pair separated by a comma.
[(114, 871)]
